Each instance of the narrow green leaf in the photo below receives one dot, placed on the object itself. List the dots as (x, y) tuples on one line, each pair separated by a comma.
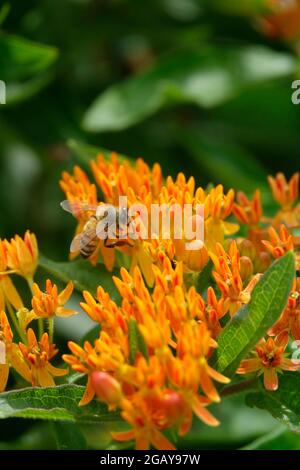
[(82, 273), (251, 323), (54, 403), (278, 439), (204, 279), (206, 77), (136, 341), (284, 404)]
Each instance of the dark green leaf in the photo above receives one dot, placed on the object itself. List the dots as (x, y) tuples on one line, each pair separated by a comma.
[(68, 436), (54, 403), (82, 273), (204, 279), (284, 404), (207, 78), (251, 323), (225, 162), (20, 58)]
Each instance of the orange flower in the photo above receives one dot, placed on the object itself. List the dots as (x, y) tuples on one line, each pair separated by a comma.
[(38, 356), (283, 20), (269, 360), (12, 354), (22, 255), (218, 206), (290, 318), (280, 244), (248, 212), (50, 303), (228, 277), (8, 292), (286, 194)]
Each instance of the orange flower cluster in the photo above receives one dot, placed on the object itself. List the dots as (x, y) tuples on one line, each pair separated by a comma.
[(152, 358), (30, 357)]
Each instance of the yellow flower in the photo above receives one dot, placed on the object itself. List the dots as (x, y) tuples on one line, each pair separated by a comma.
[(8, 292), (13, 355), (22, 255), (38, 356), (50, 303)]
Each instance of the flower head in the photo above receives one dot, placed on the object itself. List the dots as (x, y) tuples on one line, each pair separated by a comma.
[(8, 292), (22, 255), (50, 303), (37, 355), (270, 358)]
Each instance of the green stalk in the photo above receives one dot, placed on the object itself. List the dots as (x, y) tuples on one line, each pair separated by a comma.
[(15, 322)]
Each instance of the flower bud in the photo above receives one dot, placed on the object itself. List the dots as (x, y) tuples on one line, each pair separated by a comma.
[(173, 406), (106, 387), (246, 267), (196, 256), (246, 248), (262, 262)]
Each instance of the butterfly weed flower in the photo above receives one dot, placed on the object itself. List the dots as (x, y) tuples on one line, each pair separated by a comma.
[(13, 356), (51, 303), (290, 319), (22, 255), (270, 359), (279, 243), (8, 292), (286, 194), (37, 355)]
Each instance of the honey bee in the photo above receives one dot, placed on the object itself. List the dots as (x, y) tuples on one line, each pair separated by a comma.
[(87, 241)]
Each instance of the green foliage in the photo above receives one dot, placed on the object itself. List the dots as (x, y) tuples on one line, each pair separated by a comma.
[(22, 63), (252, 321), (136, 341), (206, 78), (68, 436), (83, 274), (58, 404), (284, 404)]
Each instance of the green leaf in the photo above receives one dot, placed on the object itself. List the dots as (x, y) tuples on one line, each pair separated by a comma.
[(84, 152), (224, 161), (82, 273), (278, 439), (204, 279), (4, 12), (69, 437), (54, 403), (21, 62), (252, 321), (136, 341), (244, 7), (284, 404), (207, 78)]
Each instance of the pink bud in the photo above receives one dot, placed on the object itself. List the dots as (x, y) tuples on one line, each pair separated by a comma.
[(106, 387)]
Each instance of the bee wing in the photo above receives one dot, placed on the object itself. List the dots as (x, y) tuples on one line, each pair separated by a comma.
[(76, 208), (76, 243), (82, 240)]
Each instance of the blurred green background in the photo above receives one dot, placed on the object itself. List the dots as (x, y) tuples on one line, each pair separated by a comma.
[(196, 85)]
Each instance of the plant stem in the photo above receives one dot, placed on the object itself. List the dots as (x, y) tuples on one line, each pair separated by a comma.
[(51, 329), (15, 321), (239, 387), (40, 320)]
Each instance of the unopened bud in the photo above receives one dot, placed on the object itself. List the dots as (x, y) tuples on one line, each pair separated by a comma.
[(173, 406), (196, 256), (106, 387), (246, 267), (246, 248), (262, 262)]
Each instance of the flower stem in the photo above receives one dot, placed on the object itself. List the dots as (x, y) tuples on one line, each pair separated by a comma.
[(40, 320), (15, 321), (239, 387), (51, 329)]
